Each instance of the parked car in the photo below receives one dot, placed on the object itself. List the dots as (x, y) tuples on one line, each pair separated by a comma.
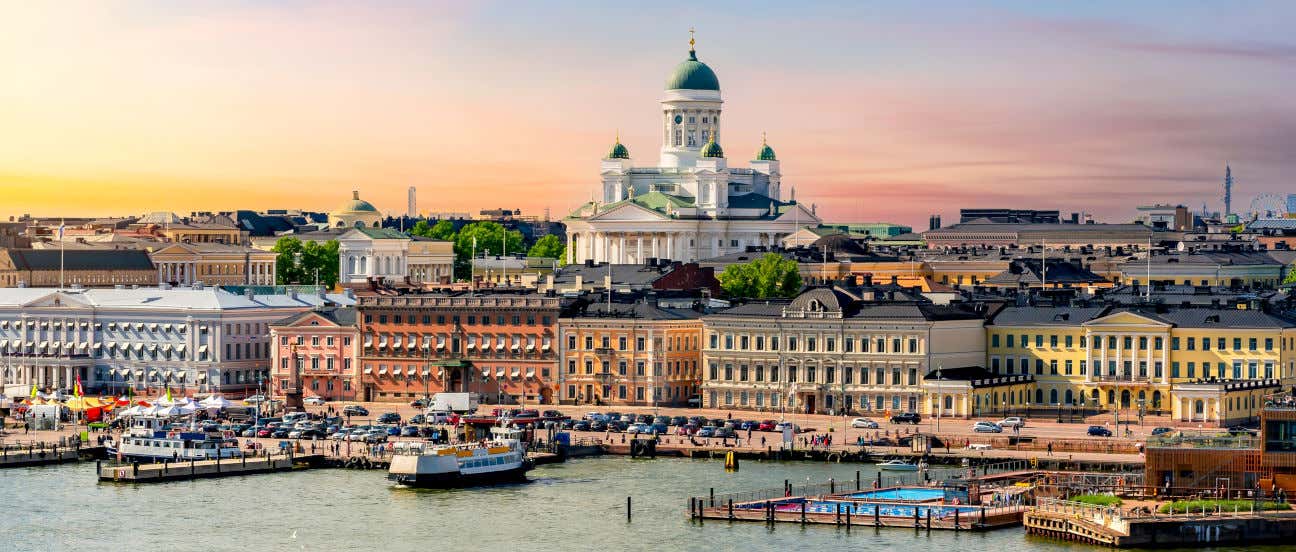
[(265, 432), (419, 403), (686, 429), (637, 429), (782, 425), (707, 431), (417, 419), (557, 415), (906, 418), (376, 436), (1012, 421), (766, 425), (409, 431), (1240, 431), (1162, 431), (617, 426), (389, 418), (254, 399), (979, 446), (315, 400), (581, 426), (658, 429), (724, 432), (1099, 431), (567, 424), (863, 423), (281, 432), (987, 427), (678, 421), (354, 410), (598, 425), (644, 419), (341, 434)]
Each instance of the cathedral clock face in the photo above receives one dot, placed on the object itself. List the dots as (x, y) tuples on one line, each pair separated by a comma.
[(679, 119)]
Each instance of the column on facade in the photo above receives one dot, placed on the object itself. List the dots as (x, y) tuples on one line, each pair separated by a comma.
[(639, 258), (1165, 360), (1120, 356), (1089, 358), (655, 246), (670, 246), (622, 258)]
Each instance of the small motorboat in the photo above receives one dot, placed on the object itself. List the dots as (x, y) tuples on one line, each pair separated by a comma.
[(898, 465)]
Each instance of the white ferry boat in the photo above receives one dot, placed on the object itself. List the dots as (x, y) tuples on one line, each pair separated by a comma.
[(148, 440), (502, 459)]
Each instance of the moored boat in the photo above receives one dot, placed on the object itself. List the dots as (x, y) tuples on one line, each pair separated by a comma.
[(149, 440), (898, 465), (502, 459)]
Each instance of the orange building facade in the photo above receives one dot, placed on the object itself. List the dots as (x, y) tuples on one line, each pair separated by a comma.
[(630, 354)]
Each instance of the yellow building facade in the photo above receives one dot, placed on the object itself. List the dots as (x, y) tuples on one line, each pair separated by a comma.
[(638, 354), (1192, 365)]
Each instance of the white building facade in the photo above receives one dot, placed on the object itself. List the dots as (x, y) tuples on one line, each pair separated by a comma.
[(193, 339), (692, 205)]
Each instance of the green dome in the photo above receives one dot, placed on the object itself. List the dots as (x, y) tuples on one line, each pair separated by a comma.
[(766, 153), (692, 74), (357, 205), (618, 151), (712, 149)]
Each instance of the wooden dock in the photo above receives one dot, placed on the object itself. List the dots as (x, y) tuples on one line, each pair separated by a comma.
[(228, 467), (13, 457), (1122, 528)]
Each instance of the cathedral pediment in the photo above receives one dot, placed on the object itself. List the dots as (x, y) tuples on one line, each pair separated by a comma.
[(629, 211), (59, 299)]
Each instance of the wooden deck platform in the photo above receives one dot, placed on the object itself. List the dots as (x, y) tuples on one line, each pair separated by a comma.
[(179, 471), (983, 519)]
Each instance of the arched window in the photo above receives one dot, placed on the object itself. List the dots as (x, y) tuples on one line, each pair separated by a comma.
[(1039, 396), (949, 402), (1053, 396), (1070, 398)]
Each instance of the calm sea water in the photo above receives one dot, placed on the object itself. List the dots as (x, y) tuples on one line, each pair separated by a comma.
[(579, 505)]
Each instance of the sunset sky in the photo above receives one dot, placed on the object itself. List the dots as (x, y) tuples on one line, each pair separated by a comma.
[(877, 111)]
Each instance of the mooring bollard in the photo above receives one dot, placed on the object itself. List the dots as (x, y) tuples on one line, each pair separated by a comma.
[(832, 486), (627, 509), (713, 497), (857, 480), (956, 519), (877, 516), (928, 519), (731, 516), (917, 523), (692, 506), (848, 515), (803, 512), (837, 517)]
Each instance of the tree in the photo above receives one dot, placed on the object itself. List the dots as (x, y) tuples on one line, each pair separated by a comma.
[(768, 276), (1291, 275), (442, 230), (549, 247), (296, 262), (287, 249), (488, 237)]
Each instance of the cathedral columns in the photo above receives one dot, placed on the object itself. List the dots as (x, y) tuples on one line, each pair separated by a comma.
[(621, 250), (639, 258), (670, 245)]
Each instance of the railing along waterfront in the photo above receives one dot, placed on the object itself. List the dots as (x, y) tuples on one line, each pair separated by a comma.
[(1221, 441)]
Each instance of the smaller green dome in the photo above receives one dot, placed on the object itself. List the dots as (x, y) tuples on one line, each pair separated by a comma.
[(618, 151), (766, 153), (357, 205), (712, 149)]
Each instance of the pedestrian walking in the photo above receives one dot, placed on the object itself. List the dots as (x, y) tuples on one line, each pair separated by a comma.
[(1050, 448)]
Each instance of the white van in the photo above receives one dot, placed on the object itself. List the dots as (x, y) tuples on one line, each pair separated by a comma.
[(294, 417)]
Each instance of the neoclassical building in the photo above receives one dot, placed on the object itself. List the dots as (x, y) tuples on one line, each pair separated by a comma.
[(692, 205)]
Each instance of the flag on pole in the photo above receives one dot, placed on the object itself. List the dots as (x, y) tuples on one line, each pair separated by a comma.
[(61, 227), (33, 391), (168, 393), (77, 391)]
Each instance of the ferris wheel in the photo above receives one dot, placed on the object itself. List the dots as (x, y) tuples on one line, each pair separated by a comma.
[(1268, 205)]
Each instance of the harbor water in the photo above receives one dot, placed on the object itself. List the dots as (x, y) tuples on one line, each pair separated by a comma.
[(579, 505)]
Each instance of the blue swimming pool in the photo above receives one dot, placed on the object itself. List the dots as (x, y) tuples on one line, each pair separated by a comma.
[(861, 509), (907, 494)]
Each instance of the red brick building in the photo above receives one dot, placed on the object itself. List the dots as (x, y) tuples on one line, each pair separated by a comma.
[(499, 344)]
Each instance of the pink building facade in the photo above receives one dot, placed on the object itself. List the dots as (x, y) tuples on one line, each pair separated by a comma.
[(318, 351)]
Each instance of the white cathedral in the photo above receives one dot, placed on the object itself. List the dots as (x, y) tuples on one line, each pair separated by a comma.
[(692, 205)]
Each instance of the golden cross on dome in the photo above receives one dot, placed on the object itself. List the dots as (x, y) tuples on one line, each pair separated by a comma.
[(691, 41)]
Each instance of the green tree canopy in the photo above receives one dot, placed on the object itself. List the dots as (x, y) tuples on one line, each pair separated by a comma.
[(442, 230), (766, 277), (296, 262), (549, 247), (480, 238)]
